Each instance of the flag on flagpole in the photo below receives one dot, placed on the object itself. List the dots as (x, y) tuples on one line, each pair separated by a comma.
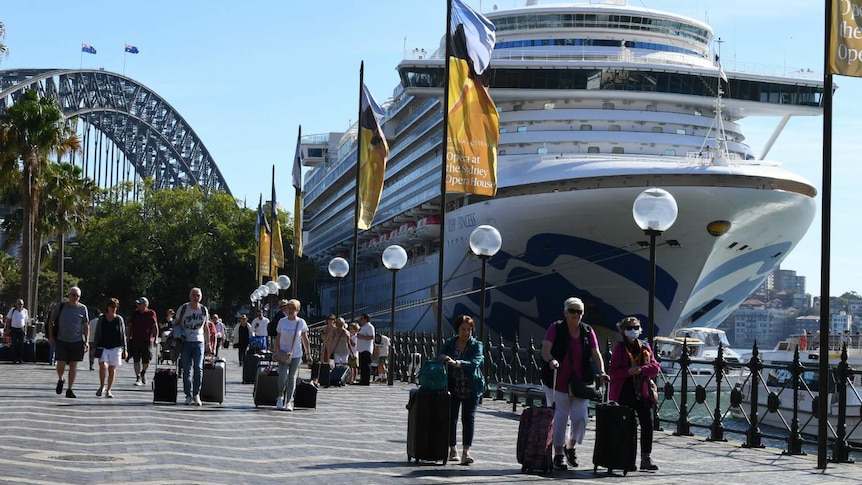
[(131, 49), (88, 49), (845, 40), (373, 153), (473, 124), (262, 235), (297, 187), (277, 245)]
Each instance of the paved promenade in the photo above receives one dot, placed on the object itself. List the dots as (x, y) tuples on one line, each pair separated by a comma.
[(356, 435)]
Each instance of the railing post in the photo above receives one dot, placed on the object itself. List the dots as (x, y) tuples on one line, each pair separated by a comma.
[(717, 427), (683, 426), (533, 369), (753, 435), (794, 439), (486, 362), (840, 448)]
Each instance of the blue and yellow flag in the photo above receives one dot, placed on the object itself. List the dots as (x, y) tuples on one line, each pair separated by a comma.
[(473, 124), (373, 153)]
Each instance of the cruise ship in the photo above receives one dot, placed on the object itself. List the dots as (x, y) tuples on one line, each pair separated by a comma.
[(598, 102)]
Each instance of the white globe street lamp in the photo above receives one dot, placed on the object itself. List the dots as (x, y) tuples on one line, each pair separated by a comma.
[(394, 258), (283, 282), (338, 269), (485, 241)]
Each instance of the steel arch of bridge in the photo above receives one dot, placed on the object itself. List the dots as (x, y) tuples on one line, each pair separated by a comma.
[(157, 141)]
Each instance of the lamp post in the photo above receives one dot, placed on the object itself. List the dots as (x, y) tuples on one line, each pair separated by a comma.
[(654, 211), (394, 258), (485, 241), (338, 269), (283, 283)]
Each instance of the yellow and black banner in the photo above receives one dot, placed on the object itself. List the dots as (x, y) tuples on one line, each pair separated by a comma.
[(373, 154), (845, 39)]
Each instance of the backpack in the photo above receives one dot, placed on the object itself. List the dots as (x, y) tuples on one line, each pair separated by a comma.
[(432, 376), (52, 320)]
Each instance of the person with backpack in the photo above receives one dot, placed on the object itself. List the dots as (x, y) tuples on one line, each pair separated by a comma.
[(68, 331), (110, 346), (571, 347), (463, 356), (190, 327), (16, 326)]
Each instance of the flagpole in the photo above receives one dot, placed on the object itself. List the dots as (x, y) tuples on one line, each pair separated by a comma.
[(297, 219), (272, 214), (448, 55), (81, 61), (124, 61), (356, 202), (825, 241)]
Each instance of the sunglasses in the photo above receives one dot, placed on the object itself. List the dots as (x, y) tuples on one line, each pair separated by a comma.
[(633, 328), (575, 311)]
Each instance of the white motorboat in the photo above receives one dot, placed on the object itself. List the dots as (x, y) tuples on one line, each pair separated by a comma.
[(702, 345)]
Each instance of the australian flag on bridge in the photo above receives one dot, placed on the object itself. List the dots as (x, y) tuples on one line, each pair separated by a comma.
[(131, 49), (88, 49)]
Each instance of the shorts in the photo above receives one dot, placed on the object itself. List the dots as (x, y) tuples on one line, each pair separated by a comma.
[(383, 360), (141, 351), (69, 351), (112, 356)]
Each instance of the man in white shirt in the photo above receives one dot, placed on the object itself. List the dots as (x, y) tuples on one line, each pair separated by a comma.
[(364, 346), (259, 325), (16, 326)]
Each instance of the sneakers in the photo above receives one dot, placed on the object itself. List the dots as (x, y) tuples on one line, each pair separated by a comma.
[(99, 392), (109, 395), (466, 459), (289, 406), (198, 400), (571, 456), (138, 381), (279, 403), (60, 386), (70, 394), (560, 463), (188, 400), (647, 464), (453, 456)]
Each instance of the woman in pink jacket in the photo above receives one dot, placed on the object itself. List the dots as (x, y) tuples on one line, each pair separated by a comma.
[(632, 370)]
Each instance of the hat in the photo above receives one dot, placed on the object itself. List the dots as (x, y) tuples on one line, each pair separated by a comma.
[(282, 303), (142, 301)]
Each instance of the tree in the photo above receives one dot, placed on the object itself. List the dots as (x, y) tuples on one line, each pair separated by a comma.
[(32, 129)]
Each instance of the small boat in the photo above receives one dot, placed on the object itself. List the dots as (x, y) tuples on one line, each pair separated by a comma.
[(778, 379), (428, 228), (702, 344)]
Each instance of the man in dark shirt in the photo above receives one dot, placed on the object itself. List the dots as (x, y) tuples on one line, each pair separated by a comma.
[(142, 333)]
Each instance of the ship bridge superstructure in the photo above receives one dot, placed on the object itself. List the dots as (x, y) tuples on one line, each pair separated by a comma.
[(128, 131)]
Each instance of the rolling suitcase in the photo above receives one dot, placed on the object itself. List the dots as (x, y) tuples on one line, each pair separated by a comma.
[(339, 375), (616, 438), (43, 351), (428, 425), (213, 381), (165, 385), (250, 362), (266, 386), (535, 439), (305, 394), (29, 350)]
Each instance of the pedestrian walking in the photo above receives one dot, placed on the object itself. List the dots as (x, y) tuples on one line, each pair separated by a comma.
[(364, 347), (291, 343), (190, 326), (632, 369), (142, 333), (110, 346), (381, 351), (219, 328), (16, 327), (72, 325), (94, 327), (463, 355), (241, 336)]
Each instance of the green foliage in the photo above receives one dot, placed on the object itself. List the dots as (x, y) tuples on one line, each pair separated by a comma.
[(165, 244)]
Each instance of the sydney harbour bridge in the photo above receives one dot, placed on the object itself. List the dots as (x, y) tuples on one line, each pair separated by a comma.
[(128, 132)]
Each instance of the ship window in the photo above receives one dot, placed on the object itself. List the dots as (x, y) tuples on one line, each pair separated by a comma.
[(607, 105), (503, 129), (657, 129), (517, 107), (670, 152), (522, 129), (592, 149), (586, 127), (614, 128), (542, 151), (502, 152), (618, 150), (651, 107), (680, 131)]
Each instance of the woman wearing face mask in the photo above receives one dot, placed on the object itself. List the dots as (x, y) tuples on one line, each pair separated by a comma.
[(632, 368)]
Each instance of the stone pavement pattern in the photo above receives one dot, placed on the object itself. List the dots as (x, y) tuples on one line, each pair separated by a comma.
[(356, 435)]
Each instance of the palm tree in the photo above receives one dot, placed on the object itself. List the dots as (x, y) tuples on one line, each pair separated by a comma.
[(68, 202), (31, 129)]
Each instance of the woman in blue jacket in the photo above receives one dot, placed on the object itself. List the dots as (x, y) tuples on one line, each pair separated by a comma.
[(463, 355)]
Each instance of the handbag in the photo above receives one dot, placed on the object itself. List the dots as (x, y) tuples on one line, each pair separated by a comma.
[(583, 390), (353, 360), (653, 391)]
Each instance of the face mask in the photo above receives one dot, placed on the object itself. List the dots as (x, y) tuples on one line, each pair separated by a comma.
[(632, 333)]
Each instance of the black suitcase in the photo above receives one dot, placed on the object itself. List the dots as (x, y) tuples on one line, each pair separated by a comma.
[(250, 363), (616, 438), (319, 369), (213, 381), (265, 390), (339, 375), (43, 351), (305, 395), (428, 426), (165, 385), (29, 350)]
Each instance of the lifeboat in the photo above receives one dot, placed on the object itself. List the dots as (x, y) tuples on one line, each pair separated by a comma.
[(428, 228)]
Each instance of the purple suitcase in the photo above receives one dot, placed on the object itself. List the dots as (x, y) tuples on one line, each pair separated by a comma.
[(535, 439)]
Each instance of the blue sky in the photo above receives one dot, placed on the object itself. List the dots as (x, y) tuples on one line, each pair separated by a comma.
[(245, 75)]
